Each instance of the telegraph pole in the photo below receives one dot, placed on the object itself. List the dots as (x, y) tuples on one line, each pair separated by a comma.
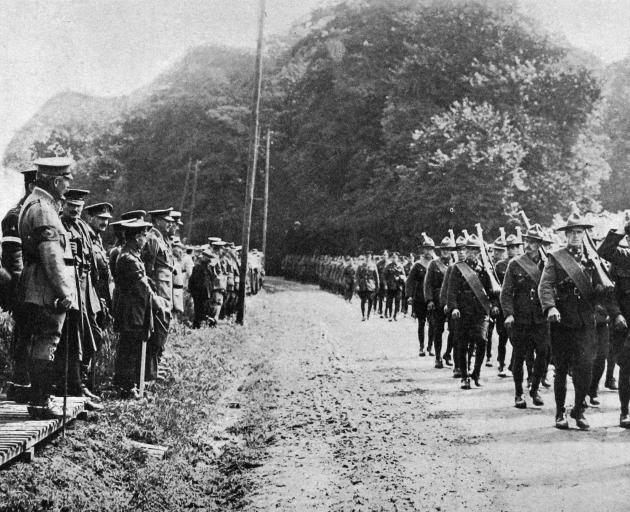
[(251, 172), (193, 199), (266, 201)]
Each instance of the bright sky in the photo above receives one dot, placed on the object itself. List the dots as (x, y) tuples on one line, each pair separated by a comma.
[(110, 47)]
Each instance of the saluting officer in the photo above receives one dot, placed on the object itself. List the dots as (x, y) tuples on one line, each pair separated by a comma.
[(471, 303), (13, 264), (47, 288), (568, 296), (524, 317)]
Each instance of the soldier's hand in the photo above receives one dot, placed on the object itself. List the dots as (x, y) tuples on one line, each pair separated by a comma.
[(446, 310), (509, 321), (456, 315), (430, 305), (553, 315), (63, 305), (494, 311), (620, 323)]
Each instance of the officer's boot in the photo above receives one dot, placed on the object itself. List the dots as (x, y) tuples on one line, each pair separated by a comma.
[(577, 413), (42, 402), (561, 419), (533, 392)]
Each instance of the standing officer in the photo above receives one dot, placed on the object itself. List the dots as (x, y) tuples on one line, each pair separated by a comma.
[(158, 262), (523, 316), (414, 289), (13, 264), (471, 303), (568, 292), (200, 286), (47, 288), (98, 217)]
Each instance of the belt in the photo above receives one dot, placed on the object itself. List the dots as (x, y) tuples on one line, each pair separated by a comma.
[(178, 286)]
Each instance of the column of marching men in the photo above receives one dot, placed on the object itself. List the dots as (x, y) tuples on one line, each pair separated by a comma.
[(66, 292), (559, 303)]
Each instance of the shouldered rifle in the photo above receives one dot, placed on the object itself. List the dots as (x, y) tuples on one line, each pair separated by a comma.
[(519, 234), (600, 269), (528, 225), (495, 286), (451, 234), (503, 238)]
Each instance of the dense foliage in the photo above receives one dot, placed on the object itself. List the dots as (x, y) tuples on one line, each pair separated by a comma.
[(388, 118)]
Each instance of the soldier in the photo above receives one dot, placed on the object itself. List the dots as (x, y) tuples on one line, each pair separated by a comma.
[(135, 308), (471, 303), (349, 275), (13, 264), (367, 283), (177, 223), (218, 280), (382, 291), (460, 247), (394, 275), (178, 280), (47, 288), (200, 287), (432, 285), (523, 316), (568, 292), (414, 289), (158, 262), (89, 338), (99, 216), (620, 258)]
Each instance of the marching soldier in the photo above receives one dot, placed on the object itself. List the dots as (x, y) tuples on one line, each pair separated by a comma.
[(414, 289), (158, 262), (620, 258), (367, 283), (432, 285), (471, 303), (394, 274), (47, 288), (523, 316), (12, 263), (136, 308), (568, 292), (349, 275), (382, 291)]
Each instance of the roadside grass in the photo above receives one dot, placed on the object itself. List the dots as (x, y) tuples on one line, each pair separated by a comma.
[(211, 412)]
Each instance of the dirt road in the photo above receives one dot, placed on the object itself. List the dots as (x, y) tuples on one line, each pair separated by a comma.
[(363, 423)]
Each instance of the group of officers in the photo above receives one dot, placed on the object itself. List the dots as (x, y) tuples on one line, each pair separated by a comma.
[(66, 291), (564, 304)]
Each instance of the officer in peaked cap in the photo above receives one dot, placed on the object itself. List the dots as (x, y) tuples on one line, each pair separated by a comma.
[(158, 261), (47, 288), (134, 215), (177, 221), (13, 264), (99, 216)]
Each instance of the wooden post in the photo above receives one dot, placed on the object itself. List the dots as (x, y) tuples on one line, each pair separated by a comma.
[(192, 199), (251, 172), (266, 199)]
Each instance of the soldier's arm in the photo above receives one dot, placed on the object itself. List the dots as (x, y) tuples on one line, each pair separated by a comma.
[(427, 287), (149, 253), (546, 287), (11, 246), (412, 282), (610, 251), (507, 291), (454, 284), (48, 242)]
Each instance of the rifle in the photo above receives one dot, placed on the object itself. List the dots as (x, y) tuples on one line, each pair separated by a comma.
[(528, 225), (495, 286), (503, 238), (451, 234)]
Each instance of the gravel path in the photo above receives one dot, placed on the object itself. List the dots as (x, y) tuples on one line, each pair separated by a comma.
[(364, 424)]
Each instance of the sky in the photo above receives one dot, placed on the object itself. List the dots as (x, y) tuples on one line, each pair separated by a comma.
[(111, 47)]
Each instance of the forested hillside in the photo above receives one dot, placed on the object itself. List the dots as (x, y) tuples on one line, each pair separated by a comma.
[(388, 119)]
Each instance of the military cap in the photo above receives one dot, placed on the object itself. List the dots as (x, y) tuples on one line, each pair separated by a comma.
[(368, 253), (218, 243), (54, 166), (474, 242), (447, 243), (461, 241), (575, 220), (133, 214), (535, 233), (512, 240), (134, 225), (178, 243), (214, 239), (238, 247), (76, 196), (177, 216), (499, 244), (30, 175), (162, 213), (99, 210), (117, 225), (231, 245)]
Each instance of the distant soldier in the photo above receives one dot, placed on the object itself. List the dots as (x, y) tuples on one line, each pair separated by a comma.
[(523, 316), (200, 287), (178, 279), (394, 274), (177, 224), (367, 283), (382, 290), (414, 289), (349, 275), (47, 288), (12, 263), (569, 290), (432, 285), (135, 310), (471, 303), (158, 262)]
